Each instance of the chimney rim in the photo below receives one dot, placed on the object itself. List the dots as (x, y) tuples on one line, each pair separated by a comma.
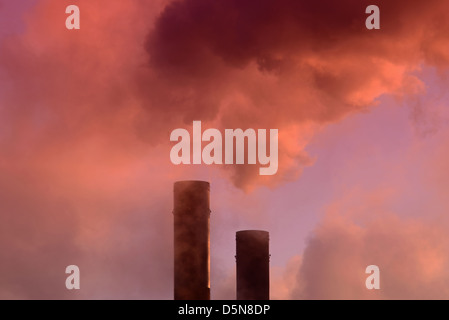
[(188, 182), (252, 231)]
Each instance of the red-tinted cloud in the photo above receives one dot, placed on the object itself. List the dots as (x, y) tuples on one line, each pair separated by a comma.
[(86, 117), (284, 63), (411, 254)]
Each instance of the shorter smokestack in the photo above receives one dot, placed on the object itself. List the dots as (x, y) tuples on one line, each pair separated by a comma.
[(253, 265)]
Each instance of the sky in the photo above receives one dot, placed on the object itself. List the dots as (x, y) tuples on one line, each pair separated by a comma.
[(85, 122)]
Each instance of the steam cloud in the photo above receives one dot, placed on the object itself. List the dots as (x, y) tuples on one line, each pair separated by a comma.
[(85, 119)]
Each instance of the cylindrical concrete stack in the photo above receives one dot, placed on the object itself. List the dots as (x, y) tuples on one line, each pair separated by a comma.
[(191, 240), (253, 265)]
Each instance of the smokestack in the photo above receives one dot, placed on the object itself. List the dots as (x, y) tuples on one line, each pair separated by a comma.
[(192, 243), (253, 265)]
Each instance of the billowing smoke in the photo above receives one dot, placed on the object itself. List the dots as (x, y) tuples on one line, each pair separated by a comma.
[(85, 118), (410, 253), (292, 65)]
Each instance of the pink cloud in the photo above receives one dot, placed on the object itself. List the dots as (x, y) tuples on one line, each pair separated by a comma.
[(86, 118)]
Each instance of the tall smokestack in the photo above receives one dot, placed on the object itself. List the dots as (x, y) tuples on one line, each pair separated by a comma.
[(191, 231), (253, 265)]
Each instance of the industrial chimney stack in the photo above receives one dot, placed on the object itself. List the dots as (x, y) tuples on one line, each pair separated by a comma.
[(253, 265), (192, 241)]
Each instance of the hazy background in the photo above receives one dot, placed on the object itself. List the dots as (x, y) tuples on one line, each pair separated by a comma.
[(86, 115)]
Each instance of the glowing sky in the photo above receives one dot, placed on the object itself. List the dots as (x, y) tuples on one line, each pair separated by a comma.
[(85, 119)]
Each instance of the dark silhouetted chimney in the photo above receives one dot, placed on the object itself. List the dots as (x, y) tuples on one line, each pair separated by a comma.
[(253, 265), (192, 242)]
